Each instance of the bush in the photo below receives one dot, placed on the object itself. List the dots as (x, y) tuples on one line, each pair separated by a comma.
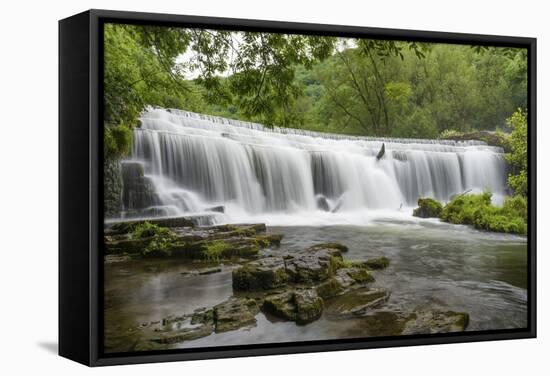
[(518, 155), (428, 208), (477, 210)]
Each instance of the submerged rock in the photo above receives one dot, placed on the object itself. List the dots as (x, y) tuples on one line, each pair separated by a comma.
[(428, 208), (302, 306), (357, 302), (331, 287), (184, 328), (377, 263), (359, 275), (430, 322), (320, 246), (235, 313)]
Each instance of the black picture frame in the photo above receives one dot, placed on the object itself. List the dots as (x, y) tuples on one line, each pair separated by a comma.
[(81, 187)]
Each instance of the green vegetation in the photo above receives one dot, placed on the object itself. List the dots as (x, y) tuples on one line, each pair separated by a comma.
[(361, 87), (351, 86), (477, 210), (518, 155), (162, 239), (214, 251), (428, 208)]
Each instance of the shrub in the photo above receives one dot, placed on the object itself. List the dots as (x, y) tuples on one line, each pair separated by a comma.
[(477, 210), (117, 141), (518, 155), (428, 208)]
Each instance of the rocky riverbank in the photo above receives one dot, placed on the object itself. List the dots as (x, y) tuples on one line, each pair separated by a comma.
[(300, 286)]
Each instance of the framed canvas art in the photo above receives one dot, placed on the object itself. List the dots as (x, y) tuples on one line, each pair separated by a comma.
[(236, 187)]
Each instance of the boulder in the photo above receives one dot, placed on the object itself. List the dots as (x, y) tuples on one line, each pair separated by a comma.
[(312, 266), (302, 306)]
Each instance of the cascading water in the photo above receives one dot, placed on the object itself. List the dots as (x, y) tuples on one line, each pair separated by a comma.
[(192, 162)]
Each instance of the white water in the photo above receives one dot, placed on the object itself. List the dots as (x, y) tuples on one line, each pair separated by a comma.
[(277, 175)]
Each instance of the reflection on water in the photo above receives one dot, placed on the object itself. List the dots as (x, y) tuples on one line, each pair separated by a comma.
[(433, 266)]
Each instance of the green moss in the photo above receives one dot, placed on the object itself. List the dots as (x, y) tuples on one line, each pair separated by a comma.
[(477, 210), (214, 251), (268, 239), (162, 239), (147, 230), (428, 208)]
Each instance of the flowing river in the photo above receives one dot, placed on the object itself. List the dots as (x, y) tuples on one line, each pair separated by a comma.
[(433, 266)]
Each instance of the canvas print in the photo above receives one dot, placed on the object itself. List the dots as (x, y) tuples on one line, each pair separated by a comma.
[(264, 188)]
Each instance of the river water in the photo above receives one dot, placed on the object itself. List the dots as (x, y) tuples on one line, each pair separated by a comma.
[(434, 265)]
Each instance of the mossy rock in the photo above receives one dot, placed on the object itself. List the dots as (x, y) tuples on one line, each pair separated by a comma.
[(431, 322), (235, 313), (302, 306), (330, 288), (312, 268), (360, 275), (377, 263), (265, 274), (268, 239), (428, 208)]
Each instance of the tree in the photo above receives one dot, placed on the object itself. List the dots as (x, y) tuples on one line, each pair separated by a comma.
[(518, 155)]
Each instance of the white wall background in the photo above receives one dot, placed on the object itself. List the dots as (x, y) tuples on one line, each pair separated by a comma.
[(28, 185)]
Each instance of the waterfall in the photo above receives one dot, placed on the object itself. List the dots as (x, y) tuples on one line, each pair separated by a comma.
[(193, 162)]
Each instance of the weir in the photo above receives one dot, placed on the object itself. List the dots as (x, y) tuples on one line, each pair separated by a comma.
[(185, 163)]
